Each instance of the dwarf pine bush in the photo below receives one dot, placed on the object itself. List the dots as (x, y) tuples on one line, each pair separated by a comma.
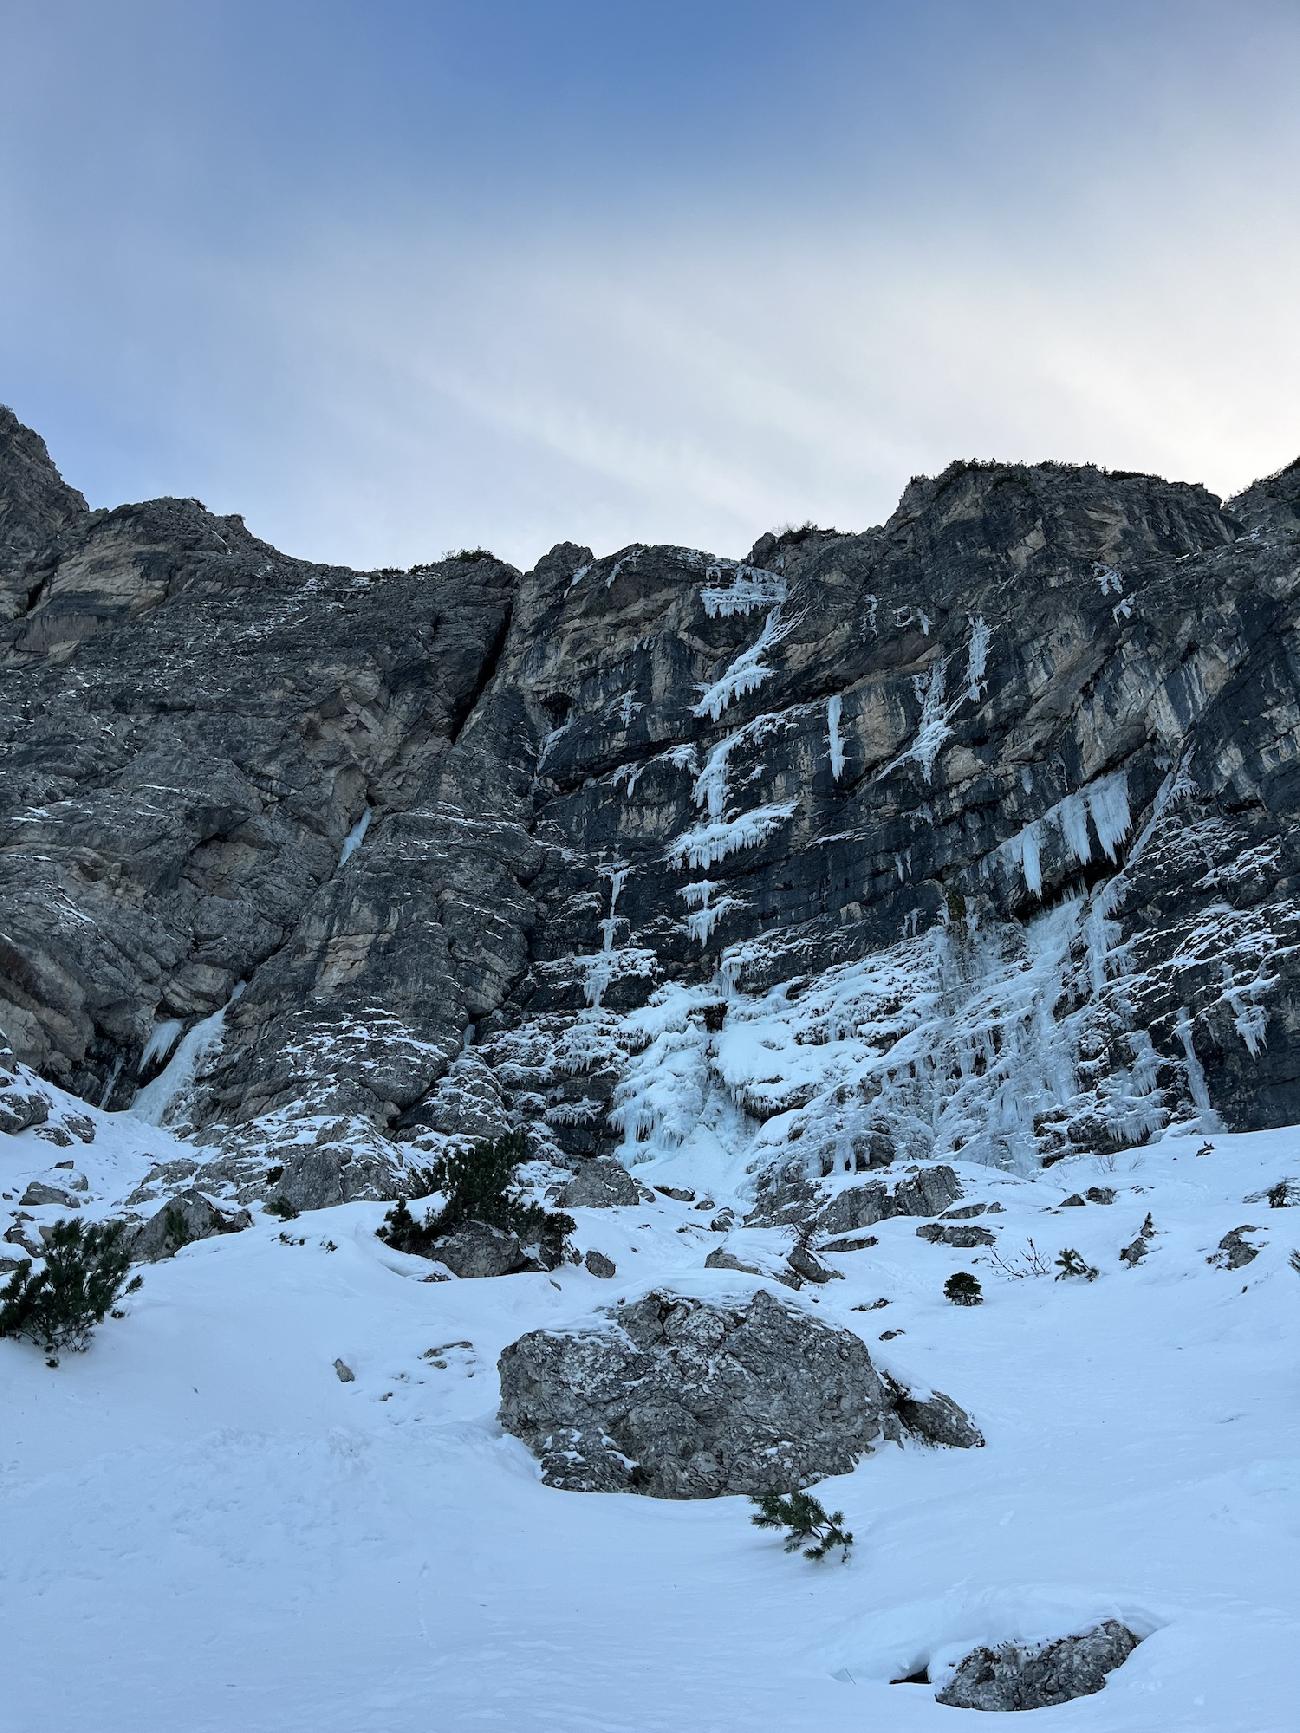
[(963, 1289), (810, 1530), (479, 1186), (85, 1274)]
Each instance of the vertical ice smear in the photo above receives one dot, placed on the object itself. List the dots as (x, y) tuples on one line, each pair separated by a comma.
[(617, 876), (977, 659), (833, 705), (355, 837), (746, 673), (704, 912), (1109, 808), (1196, 1083), (932, 729), (154, 1103), (1072, 815), (1104, 802), (165, 1035), (710, 789), (1030, 858)]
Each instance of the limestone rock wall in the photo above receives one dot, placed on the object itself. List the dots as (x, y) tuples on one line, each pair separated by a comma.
[(972, 833)]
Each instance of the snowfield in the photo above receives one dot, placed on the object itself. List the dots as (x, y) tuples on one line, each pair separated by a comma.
[(205, 1529)]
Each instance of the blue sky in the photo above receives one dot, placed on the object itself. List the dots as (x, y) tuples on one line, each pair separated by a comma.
[(391, 277)]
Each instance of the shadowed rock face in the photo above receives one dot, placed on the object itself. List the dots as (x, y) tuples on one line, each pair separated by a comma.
[(974, 833)]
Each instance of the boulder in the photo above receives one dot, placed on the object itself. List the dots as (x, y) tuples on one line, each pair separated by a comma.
[(187, 1217), (963, 1235), (20, 1108), (677, 1397), (480, 1250), (597, 1264), (721, 1259), (936, 1418), (925, 1193), (600, 1184), (39, 1192), (1039, 1676), (1235, 1251), (808, 1266)]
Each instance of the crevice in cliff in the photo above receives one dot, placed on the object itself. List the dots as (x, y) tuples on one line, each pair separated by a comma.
[(487, 669)]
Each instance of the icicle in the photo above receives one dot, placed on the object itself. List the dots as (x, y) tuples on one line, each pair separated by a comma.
[(833, 705)]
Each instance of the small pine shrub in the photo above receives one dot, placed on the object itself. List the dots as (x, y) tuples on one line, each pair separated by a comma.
[(178, 1234), (478, 1186), (963, 1289), (1070, 1263), (1279, 1195), (810, 1530), (85, 1274), (1294, 1261), (280, 1206)]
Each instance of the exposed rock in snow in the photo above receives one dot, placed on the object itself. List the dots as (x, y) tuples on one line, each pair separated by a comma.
[(680, 1398), (478, 1249), (959, 1234), (927, 1193), (1235, 1250), (1015, 1676), (186, 1216), (601, 1184)]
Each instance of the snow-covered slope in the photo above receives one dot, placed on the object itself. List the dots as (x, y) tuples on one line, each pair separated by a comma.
[(204, 1527)]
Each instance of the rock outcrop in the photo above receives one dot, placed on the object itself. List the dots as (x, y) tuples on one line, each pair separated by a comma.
[(1017, 1676), (971, 834), (680, 1398)]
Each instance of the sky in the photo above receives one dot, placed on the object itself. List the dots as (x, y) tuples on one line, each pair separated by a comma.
[(397, 277)]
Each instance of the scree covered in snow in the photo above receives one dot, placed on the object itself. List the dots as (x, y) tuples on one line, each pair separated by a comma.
[(206, 1527)]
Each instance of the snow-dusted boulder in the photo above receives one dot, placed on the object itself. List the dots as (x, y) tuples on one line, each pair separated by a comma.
[(1016, 1676), (187, 1217), (478, 1249), (683, 1398), (600, 1184), (925, 1193)]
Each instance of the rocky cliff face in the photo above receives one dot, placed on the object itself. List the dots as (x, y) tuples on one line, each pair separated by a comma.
[(973, 833)]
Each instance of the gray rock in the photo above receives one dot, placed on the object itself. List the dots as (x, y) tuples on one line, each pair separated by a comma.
[(184, 1218), (805, 1264), (852, 1243), (720, 1258), (9, 1265), (603, 1184), (682, 1398), (1235, 1251), (1019, 1677), (480, 1250), (937, 1419), (960, 1234), (20, 1109), (344, 1372), (599, 1265), (509, 735), (39, 1193), (926, 1193)]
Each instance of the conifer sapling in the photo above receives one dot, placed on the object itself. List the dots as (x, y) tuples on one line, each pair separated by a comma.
[(811, 1530)]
